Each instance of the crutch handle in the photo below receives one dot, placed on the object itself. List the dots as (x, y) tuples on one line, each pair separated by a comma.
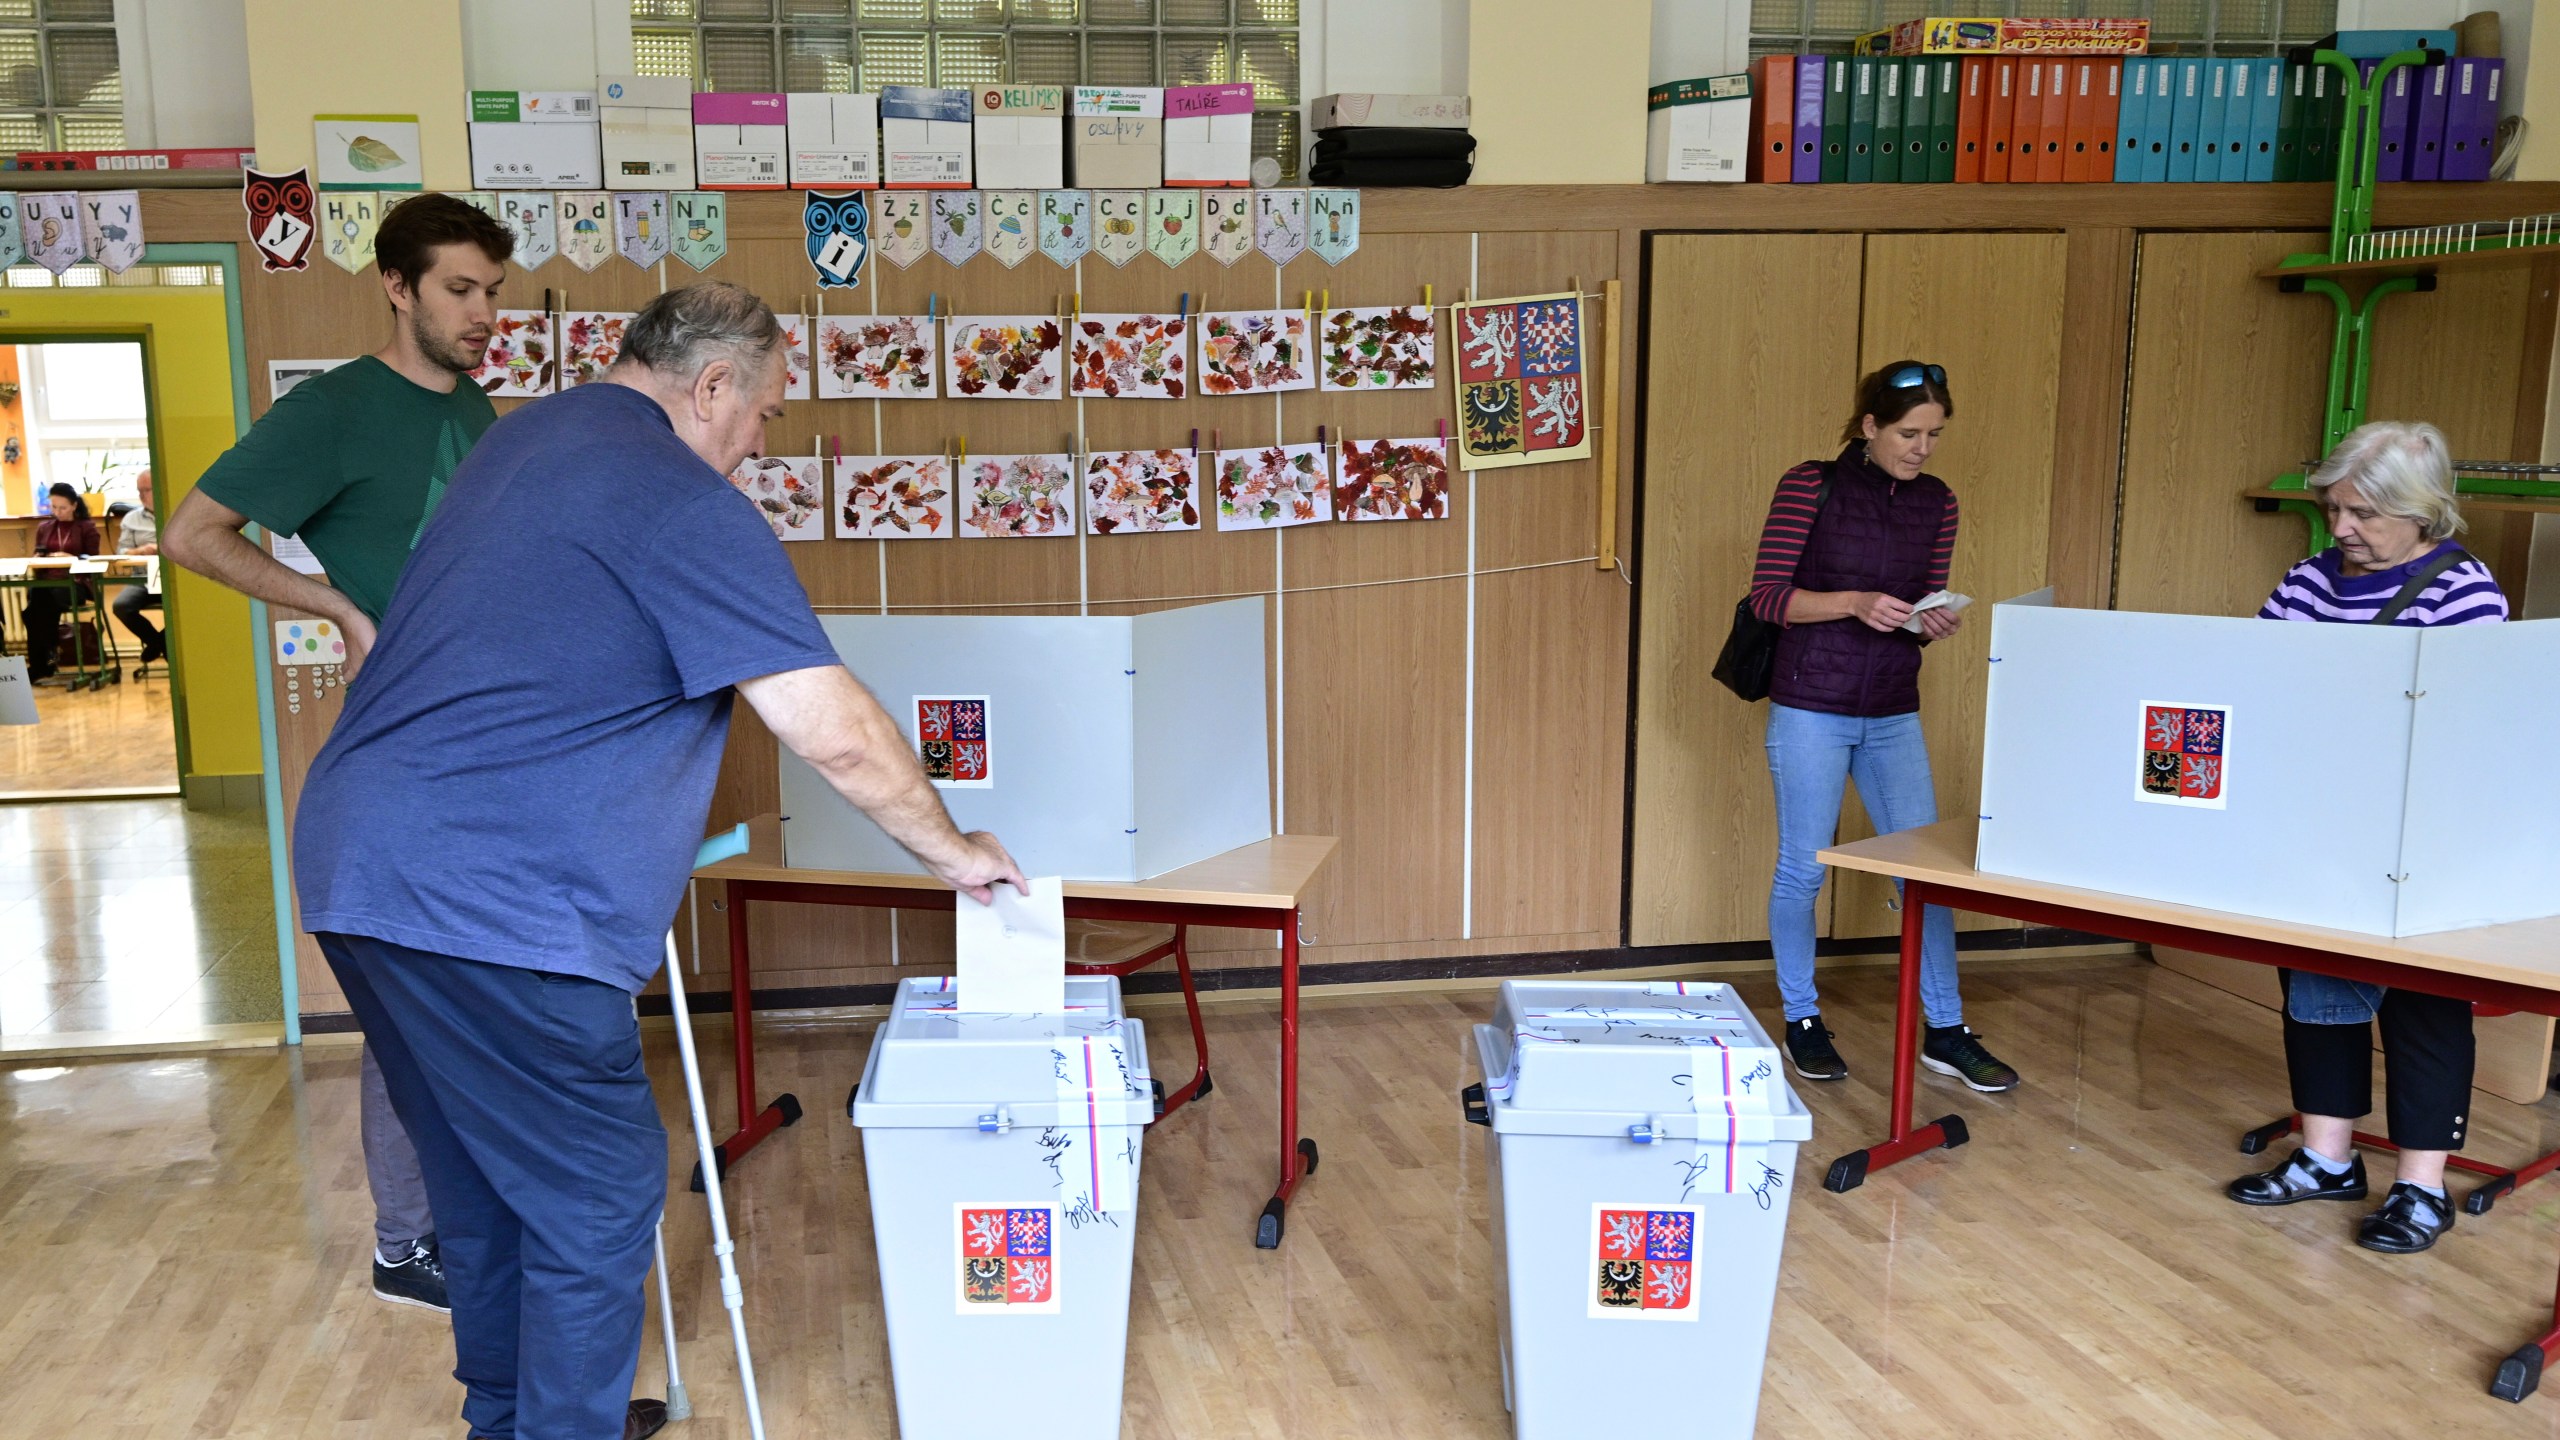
[(732, 841)]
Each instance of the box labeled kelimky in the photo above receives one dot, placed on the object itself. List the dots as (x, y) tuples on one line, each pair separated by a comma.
[(1019, 132)]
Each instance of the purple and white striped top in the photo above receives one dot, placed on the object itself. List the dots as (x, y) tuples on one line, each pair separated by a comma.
[(2466, 594)]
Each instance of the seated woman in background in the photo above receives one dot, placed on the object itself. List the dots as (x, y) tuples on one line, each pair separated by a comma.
[(2388, 493), (138, 533), (66, 529)]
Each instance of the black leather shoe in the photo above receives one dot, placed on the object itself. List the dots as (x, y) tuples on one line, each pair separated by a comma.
[(2298, 1179), (2409, 1221), (644, 1419)]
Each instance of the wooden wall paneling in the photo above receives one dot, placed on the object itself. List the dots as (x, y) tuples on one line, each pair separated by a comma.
[(2003, 361), (1550, 690), (1757, 338), (2457, 358), (2228, 378), (2088, 418)]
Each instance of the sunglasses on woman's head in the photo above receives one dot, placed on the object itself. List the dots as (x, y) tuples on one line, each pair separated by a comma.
[(1909, 375)]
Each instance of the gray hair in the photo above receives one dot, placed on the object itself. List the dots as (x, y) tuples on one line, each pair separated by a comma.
[(682, 331), (2402, 469)]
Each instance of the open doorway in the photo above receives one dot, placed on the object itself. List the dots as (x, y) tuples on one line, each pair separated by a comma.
[(80, 594)]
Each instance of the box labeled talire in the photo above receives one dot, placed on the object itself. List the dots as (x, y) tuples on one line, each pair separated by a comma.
[(1115, 137), (1020, 136), (925, 138), (1402, 112), (648, 132), (535, 140), (1698, 129), (835, 140), (738, 139), (1208, 135)]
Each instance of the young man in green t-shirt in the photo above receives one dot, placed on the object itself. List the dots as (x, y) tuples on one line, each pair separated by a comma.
[(354, 461)]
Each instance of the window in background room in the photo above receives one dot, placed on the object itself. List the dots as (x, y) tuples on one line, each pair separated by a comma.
[(2178, 27), (61, 87), (861, 45), (88, 424)]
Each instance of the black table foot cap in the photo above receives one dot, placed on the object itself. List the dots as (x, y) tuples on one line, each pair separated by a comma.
[(789, 1105), (1952, 1126), (850, 1096), (1307, 1154), (2265, 1135), (1205, 1087), (1847, 1173), (1275, 1218), (2479, 1201), (2518, 1375)]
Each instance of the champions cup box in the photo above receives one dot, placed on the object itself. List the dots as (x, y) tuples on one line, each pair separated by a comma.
[(648, 132), (835, 140), (535, 140), (1115, 137), (1991, 35), (1020, 135)]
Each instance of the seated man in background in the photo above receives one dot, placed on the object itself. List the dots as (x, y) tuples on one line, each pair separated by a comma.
[(494, 841), (137, 534)]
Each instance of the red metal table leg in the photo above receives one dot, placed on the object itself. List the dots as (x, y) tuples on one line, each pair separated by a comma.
[(753, 1124), (1198, 1084), (1947, 1131), (1268, 1230)]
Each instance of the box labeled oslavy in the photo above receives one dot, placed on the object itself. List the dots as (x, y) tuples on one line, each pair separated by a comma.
[(1115, 137), (1208, 135), (925, 138), (1021, 137), (1402, 112), (1990, 35), (648, 131), (535, 140), (835, 140), (1698, 129), (738, 140)]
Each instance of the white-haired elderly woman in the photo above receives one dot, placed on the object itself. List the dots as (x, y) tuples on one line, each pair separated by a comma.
[(2387, 491)]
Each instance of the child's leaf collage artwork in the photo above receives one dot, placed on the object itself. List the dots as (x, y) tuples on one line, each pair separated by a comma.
[(1130, 357), (1013, 496), (1274, 487), (522, 358), (1379, 348), (1134, 491), (593, 341), (875, 357), (786, 490), (1393, 480), (894, 497), (795, 351), (1251, 351), (1003, 357)]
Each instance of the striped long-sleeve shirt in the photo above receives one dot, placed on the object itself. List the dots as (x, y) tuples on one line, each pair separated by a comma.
[(1790, 522), (2466, 594)]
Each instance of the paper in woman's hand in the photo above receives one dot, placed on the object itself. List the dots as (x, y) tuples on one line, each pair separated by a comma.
[(1013, 952), (1946, 600)]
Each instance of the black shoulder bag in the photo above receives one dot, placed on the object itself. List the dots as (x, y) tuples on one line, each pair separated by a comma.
[(2414, 586), (1749, 659)]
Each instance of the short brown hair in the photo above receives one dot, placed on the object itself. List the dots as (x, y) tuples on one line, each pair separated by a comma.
[(411, 233), (1888, 403)]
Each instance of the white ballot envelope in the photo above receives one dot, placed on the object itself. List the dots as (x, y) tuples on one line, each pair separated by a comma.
[(1013, 952), (1947, 600)]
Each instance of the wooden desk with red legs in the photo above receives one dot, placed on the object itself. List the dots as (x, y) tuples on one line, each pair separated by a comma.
[(1255, 887), (2511, 967)]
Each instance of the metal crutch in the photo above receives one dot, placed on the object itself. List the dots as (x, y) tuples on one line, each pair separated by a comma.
[(732, 1295)]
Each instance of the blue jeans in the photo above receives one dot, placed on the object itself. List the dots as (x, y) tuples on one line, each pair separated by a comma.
[(547, 1165), (1811, 756)]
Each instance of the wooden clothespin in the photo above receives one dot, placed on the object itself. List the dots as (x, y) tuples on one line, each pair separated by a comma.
[(1426, 297), (963, 442), (1078, 303)]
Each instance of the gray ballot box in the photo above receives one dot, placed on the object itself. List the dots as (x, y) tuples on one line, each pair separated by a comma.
[(1644, 1143), (1001, 1153)]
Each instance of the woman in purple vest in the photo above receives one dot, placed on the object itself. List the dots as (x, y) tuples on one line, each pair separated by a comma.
[(1851, 546), (2387, 491)]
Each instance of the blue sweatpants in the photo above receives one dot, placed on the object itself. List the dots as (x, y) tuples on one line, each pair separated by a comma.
[(546, 1164)]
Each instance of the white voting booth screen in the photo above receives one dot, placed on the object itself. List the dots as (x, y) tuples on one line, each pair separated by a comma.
[(2374, 778), (1107, 747)]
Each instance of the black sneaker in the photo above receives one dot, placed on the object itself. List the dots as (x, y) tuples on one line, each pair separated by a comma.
[(1809, 1050), (1956, 1050), (2409, 1221), (418, 1279), (2297, 1179)]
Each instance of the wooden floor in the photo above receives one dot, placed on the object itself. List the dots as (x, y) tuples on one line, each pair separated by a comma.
[(185, 1248), (119, 737), (134, 917)]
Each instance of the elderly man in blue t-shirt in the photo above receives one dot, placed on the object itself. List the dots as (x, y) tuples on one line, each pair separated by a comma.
[(497, 835)]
